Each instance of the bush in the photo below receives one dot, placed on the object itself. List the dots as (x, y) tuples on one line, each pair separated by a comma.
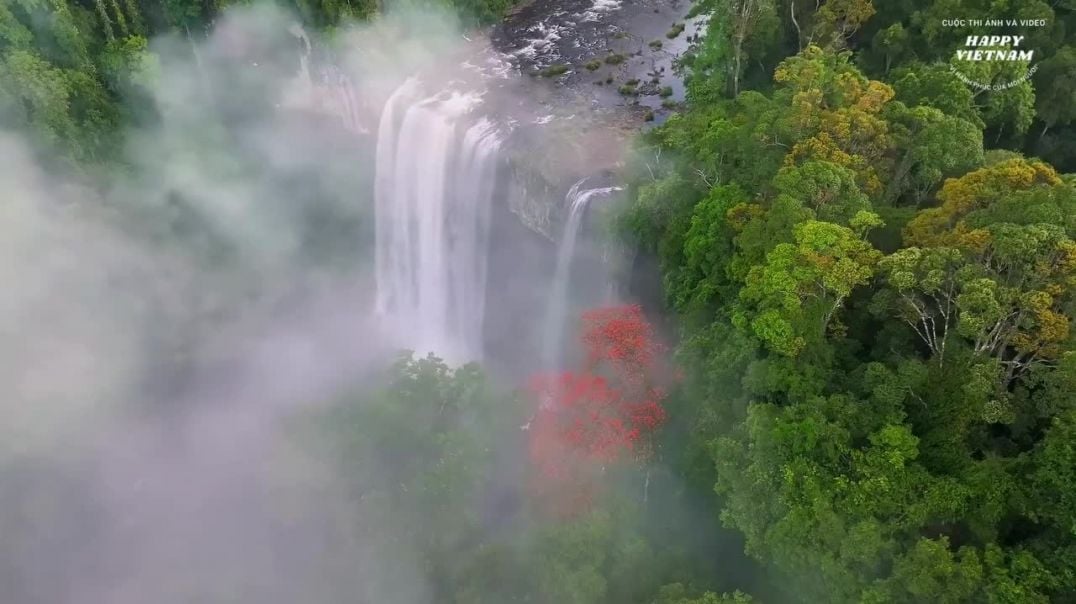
[(554, 70)]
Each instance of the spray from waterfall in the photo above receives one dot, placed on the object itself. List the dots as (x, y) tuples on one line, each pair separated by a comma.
[(435, 176), (325, 87), (557, 310)]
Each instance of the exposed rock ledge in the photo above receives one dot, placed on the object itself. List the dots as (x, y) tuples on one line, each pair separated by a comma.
[(578, 58)]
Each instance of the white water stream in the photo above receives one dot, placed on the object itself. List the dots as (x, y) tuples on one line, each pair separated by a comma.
[(557, 311), (435, 175)]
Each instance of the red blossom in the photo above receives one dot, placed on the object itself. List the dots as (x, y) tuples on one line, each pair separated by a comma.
[(602, 414)]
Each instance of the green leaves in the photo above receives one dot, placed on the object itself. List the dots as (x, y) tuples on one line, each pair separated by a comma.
[(1056, 79), (803, 284), (739, 33), (127, 62), (417, 453), (677, 593), (837, 20), (12, 32), (702, 276), (39, 97), (927, 137), (1051, 497), (936, 86), (808, 491), (827, 188), (930, 570), (50, 85), (903, 416)]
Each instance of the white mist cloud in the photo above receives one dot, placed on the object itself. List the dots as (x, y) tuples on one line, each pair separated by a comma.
[(157, 329), (70, 312)]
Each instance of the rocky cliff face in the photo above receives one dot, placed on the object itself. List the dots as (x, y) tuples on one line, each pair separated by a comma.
[(594, 72), (533, 200), (540, 175)]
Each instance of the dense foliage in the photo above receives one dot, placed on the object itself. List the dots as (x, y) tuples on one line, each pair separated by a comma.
[(910, 45), (876, 308), (434, 467), (73, 74)]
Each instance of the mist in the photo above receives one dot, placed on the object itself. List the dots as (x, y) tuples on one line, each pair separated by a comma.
[(161, 325)]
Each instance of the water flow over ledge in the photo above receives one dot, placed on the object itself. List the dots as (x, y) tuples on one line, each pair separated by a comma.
[(557, 311), (436, 169)]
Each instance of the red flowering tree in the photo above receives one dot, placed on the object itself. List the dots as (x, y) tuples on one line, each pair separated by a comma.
[(601, 414)]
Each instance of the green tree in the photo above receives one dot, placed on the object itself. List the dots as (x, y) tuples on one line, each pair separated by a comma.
[(927, 138), (881, 428), (836, 21), (790, 301), (677, 593), (739, 32), (1055, 80), (417, 453)]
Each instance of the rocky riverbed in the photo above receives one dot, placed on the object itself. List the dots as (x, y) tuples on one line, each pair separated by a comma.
[(593, 73), (612, 54)]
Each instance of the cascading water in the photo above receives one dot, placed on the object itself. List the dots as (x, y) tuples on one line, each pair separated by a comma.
[(325, 88), (435, 176), (557, 310)]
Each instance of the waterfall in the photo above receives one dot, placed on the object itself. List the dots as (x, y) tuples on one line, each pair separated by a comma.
[(435, 176), (557, 310), (324, 88)]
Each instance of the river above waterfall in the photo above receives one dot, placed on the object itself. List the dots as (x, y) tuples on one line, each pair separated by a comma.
[(597, 50)]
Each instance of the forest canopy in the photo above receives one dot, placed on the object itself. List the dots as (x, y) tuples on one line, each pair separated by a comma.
[(875, 267), (870, 391)]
